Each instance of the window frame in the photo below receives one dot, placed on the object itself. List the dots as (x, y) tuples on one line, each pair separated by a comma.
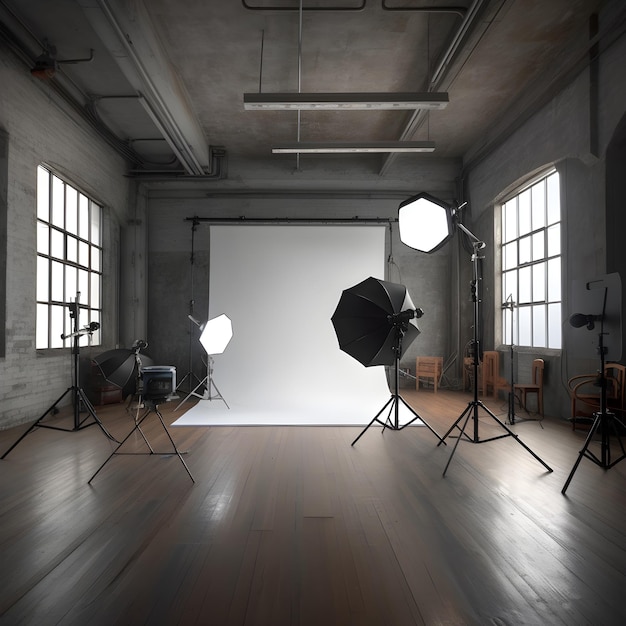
[(69, 252), (532, 248)]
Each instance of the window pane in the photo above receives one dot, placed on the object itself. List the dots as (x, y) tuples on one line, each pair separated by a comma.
[(70, 283), (525, 284), (58, 202), (554, 326), (539, 205), (83, 217), (539, 247), (525, 255), (72, 249), (56, 326), (71, 210), (509, 256), (41, 340), (57, 244), (83, 254), (509, 286), (43, 272), (43, 241), (539, 325), (509, 217), (554, 201), (539, 282), (95, 259), (524, 213), (554, 240), (95, 224), (524, 325), (83, 285), (43, 195), (95, 290), (56, 280), (554, 280)]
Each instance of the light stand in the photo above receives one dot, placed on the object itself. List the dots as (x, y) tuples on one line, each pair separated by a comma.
[(473, 407), (509, 304), (400, 324), (152, 405), (426, 224), (604, 421), (215, 336), (77, 393)]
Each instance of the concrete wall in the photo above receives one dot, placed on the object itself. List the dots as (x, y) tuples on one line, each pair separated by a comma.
[(572, 132), (37, 129)]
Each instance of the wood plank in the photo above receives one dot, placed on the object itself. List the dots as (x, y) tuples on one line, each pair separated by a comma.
[(293, 525)]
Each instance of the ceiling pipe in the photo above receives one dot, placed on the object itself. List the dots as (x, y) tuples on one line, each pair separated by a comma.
[(418, 117), (248, 6)]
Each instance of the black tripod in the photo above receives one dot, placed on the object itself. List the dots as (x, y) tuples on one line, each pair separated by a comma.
[(604, 421), (78, 395), (152, 405), (474, 406), (400, 323)]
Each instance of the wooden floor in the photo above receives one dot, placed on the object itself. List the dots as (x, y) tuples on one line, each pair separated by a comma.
[(294, 526)]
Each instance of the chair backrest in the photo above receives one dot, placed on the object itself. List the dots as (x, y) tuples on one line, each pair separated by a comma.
[(537, 372), (491, 364), (616, 376)]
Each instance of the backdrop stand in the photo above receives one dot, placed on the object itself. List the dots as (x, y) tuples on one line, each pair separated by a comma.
[(190, 377)]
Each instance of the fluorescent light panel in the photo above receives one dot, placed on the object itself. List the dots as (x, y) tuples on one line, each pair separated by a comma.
[(341, 101), (342, 148)]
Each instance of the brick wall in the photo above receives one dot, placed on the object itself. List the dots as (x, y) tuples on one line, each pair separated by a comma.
[(37, 127)]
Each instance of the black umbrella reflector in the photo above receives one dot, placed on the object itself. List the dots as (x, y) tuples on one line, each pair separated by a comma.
[(373, 320), (120, 367)]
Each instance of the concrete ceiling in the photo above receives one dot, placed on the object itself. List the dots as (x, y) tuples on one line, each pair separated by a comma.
[(166, 82)]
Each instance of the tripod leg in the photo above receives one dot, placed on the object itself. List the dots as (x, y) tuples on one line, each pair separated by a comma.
[(455, 425), (374, 420), (36, 423), (514, 435), (458, 439), (167, 432), (419, 417), (582, 453)]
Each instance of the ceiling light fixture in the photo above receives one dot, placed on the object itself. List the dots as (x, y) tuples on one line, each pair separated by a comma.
[(344, 101), (346, 148)]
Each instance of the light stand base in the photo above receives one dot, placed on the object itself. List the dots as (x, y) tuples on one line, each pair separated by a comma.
[(78, 397), (472, 411), (394, 403), (606, 422), (152, 408), (211, 392)]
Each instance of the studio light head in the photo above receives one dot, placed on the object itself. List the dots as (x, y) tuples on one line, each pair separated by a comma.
[(577, 320), (425, 223)]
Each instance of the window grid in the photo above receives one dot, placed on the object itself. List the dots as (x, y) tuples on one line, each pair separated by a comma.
[(69, 262), (531, 265)]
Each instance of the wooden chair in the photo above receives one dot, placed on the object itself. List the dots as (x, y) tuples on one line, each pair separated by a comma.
[(585, 393), (428, 367), (490, 379), (536, 386)]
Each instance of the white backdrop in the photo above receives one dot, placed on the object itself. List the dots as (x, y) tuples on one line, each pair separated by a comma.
[(280, 286)]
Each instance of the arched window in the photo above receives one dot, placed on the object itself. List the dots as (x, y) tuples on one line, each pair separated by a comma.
[(531, 264)]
